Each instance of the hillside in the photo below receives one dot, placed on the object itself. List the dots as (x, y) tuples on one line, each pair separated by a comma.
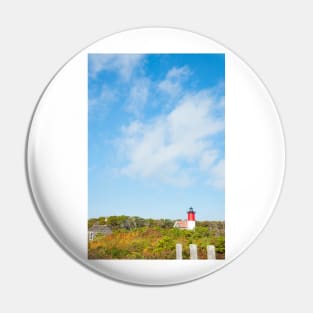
[(138, 238)]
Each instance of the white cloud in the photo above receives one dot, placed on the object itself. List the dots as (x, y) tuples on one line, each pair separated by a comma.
[(138, 96), (174, 78), (123, 64), (218, 175), (101, 104), (108, 95), (171, 147), (207, 159), (178, 72)]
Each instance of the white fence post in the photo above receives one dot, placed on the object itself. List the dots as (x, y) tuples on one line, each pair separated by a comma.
[(211, 252), (91, 235), (179, 251), (193, 252)]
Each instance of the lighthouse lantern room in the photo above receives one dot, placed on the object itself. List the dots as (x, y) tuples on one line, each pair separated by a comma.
[(191, 221)]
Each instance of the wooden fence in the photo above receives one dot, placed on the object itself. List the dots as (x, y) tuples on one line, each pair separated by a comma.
[(194, 252)]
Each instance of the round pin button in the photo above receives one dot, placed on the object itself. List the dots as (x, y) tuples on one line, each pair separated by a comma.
[(155, 156)]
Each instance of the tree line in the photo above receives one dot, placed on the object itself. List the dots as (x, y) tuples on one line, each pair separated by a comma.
[(124, 222)]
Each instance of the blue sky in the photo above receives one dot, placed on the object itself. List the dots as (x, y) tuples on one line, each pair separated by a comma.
[(156, 135)]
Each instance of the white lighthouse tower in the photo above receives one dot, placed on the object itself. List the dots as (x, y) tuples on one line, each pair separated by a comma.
[(191, 221)]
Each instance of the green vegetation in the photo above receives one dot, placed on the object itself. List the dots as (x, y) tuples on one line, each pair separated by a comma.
[(138, 238)]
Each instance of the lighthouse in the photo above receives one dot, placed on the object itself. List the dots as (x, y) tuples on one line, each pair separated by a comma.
[(191, 221)]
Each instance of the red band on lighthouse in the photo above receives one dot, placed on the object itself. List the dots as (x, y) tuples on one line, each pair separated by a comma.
[(191, 216), (191, 222)]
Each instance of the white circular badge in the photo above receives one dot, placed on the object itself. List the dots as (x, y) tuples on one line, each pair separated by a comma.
[(155, 156)]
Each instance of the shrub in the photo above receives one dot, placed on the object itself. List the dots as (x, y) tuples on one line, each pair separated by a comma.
[(151, 242)]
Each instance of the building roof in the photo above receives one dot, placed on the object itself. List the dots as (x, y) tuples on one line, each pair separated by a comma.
[(181, 224), (102, 229)]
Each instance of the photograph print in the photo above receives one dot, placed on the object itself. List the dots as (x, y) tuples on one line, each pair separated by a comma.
[(156, 156)]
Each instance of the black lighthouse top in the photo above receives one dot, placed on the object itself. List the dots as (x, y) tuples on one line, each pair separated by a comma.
[(191, 210)]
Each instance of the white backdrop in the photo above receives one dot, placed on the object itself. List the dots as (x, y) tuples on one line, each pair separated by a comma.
[(37, 38)]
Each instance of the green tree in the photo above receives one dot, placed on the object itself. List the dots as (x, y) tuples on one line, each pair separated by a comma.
[(101, 220), (91, 222)]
